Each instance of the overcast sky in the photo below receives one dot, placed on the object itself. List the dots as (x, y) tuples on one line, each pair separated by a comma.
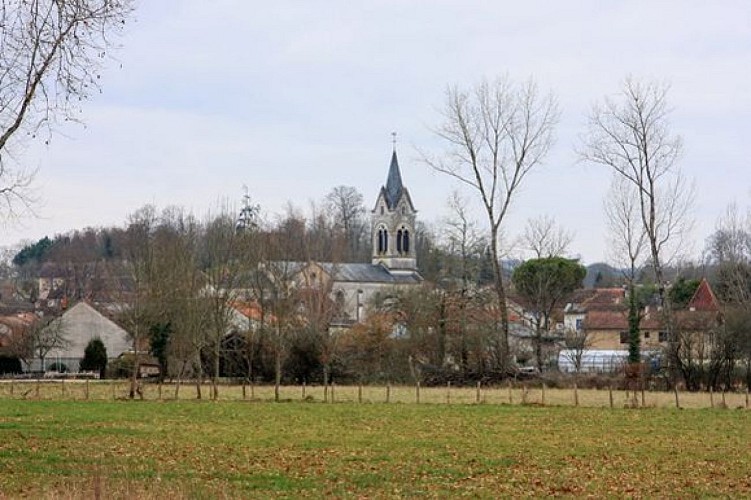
[(294, 98)]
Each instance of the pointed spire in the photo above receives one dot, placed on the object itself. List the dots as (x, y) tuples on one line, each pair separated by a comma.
[(394, 182)]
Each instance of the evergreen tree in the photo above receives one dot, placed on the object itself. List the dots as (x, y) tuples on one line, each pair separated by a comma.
[(94, 357)]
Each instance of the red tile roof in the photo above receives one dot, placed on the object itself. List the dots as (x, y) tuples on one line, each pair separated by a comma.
[(704, 298), (618, 320), (252, 310)]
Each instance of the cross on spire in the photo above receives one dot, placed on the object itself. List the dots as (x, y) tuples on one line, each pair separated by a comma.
[(393, 139)]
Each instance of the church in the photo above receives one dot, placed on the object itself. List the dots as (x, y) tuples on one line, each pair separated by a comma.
[(393, 263)]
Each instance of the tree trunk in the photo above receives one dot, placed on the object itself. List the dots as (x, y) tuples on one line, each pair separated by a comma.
[(179, 380), (215, 377), (538, 344), (277, 373), (501, 293), (199, 377), (136, 367)]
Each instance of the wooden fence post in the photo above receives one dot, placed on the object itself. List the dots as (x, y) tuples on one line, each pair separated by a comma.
[(417, 392), (478, 397), (62, 387), (245, 394), (610, 394), (543, 393), (12, 390), (675, 390), (325, 393), (711, 397), (510, 395), (448, 392), (643, 399), (303, 390), (332, 391), (747, 397), (87, 389), (160, 390), (388, 392), (37, 388), (576, 394), (359, 393), (114, 381), (724, 403)]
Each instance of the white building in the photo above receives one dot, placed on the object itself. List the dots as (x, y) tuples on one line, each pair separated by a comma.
[(79, 325)]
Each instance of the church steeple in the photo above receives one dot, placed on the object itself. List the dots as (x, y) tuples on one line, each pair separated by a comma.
[(393, 182), (393, 224)]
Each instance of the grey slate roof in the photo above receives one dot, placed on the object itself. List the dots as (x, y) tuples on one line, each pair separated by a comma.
[(367, 273), (394, 185)]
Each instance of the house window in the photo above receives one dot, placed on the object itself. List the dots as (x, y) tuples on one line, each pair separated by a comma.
[(624, 337), (646, 335), (381, 209), (579, 324), (662, 336)]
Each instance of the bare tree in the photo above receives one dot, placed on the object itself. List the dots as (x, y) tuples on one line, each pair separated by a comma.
[(729, 251), (496, 134), (51, 53), (578, 341), (134, 287), (627, 241), (46, 336), (545, 238), (345, 204), (226, 263), (463, 240), (632, 137)]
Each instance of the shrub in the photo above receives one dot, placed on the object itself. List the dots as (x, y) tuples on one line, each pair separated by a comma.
[(94, 357)]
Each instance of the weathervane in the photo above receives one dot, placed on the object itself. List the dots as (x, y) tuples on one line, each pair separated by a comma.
[(393, 139)]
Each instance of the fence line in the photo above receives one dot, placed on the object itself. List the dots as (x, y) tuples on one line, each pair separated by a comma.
[(508, 394)]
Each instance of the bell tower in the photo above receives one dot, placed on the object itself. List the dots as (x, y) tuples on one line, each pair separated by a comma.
[(393, 228)]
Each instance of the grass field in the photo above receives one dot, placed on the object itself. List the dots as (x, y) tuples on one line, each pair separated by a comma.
[(235, 449)]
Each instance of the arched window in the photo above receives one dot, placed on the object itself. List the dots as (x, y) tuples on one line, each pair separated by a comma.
[(383, 240), (402, 241)]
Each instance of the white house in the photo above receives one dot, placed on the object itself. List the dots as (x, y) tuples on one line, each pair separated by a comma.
[(79, 325)]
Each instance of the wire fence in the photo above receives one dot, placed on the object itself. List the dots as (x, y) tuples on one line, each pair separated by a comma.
[(512, 393)]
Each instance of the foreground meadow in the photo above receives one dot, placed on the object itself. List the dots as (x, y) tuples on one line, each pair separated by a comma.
[(243, 449)]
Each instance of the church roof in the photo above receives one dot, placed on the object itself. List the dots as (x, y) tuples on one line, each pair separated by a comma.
[(367, 273), (394, 185)]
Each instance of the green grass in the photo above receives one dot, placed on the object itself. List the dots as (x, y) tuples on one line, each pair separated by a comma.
[(241, 449)]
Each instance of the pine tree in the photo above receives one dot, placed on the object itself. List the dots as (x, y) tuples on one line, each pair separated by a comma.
[(94, 357)]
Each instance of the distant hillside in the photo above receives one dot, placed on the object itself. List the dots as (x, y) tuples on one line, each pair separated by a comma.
[(602, 275)]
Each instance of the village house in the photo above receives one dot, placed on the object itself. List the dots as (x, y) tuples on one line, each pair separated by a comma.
[(602, 318), (77, 326)]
